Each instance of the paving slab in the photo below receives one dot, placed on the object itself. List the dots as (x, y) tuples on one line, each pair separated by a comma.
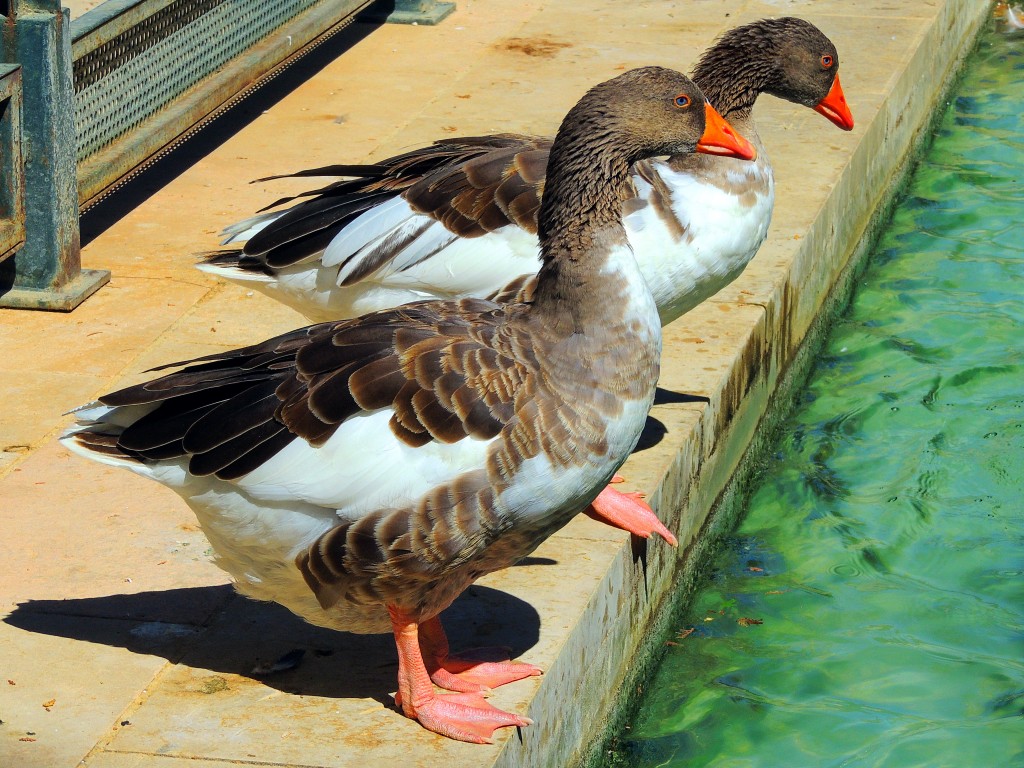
[(58, 696), (111, 605)]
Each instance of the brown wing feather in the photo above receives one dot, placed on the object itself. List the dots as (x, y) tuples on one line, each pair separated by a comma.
[(487, 192), (433, 363), (468, 168), (359, 560)]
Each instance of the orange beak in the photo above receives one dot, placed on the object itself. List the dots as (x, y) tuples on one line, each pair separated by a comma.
[(833, 106), (720, 139)]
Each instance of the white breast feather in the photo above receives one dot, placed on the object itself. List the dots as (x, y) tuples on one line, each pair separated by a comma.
[(362, 467), (473, 266), (724, 235)]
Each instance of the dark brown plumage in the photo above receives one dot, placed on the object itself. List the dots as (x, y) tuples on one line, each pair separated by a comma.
[(474, 185), (441, 367), (781, 57)]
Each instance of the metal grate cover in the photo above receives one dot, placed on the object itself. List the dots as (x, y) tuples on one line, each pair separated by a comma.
[(127, 79)]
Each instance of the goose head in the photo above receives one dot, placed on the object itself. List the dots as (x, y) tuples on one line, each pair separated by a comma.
[(645, 112), (808, 72), (648, 112), (789, 58)]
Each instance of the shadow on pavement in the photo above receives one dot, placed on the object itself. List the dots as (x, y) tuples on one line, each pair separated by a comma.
[(241, 635)]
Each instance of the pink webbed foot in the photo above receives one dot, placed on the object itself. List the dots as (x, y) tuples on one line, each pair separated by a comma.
[(474, 671), (463, 716), (461, 673), (629, 512)]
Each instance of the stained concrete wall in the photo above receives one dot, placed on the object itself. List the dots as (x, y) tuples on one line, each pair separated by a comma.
[(113, 610)]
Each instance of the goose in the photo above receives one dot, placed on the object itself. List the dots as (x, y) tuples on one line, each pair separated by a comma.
[(458, 218), (364, 472)]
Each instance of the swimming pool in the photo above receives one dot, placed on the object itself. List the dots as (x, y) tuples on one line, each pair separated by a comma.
[(869, 610)]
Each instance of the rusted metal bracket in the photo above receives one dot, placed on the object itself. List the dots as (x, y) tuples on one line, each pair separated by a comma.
[(44, 271)]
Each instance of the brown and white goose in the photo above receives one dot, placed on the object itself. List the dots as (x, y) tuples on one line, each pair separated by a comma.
[(459, 218), (364, 472)]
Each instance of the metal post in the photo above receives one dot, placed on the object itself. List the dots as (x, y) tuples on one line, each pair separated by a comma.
[(427, 12), (12, 188), (45, 272)]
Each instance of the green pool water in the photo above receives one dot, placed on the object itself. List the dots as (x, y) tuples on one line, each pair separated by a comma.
[(869, 610)]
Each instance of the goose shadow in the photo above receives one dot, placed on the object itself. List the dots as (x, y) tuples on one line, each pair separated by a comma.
[(664, 396), (212, 628), (654, 430), (653, 433)]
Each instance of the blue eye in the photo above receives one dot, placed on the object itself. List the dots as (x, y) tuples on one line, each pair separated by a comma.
[(826, 61), (682, 100)]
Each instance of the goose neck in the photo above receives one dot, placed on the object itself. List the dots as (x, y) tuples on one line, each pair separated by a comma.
[(580, 223)]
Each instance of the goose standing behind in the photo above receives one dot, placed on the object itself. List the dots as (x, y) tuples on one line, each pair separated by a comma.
[(363, 473), (459, 218)]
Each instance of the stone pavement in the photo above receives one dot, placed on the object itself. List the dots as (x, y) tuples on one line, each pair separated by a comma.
[(121, 644)]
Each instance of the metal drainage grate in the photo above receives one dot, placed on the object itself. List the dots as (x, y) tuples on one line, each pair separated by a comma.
[(126, 80), (149, 72)]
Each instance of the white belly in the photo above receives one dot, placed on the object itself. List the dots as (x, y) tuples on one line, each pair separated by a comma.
[(721, 233)]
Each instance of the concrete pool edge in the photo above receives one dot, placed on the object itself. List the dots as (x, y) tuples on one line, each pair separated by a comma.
[(728, 508), (729, 437)]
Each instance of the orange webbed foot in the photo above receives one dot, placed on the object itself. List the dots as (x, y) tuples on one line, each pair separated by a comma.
[(629, 512), (473, 671), (461, 716)]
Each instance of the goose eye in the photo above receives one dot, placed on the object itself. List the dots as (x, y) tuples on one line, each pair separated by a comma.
[(682, 101), (826, 61)]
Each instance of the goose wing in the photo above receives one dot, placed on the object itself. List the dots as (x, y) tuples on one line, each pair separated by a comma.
[(402, 400), (401, 211)]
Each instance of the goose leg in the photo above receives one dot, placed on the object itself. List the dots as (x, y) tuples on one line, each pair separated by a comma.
[(629, 512), (475, 671), (460, 716)]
